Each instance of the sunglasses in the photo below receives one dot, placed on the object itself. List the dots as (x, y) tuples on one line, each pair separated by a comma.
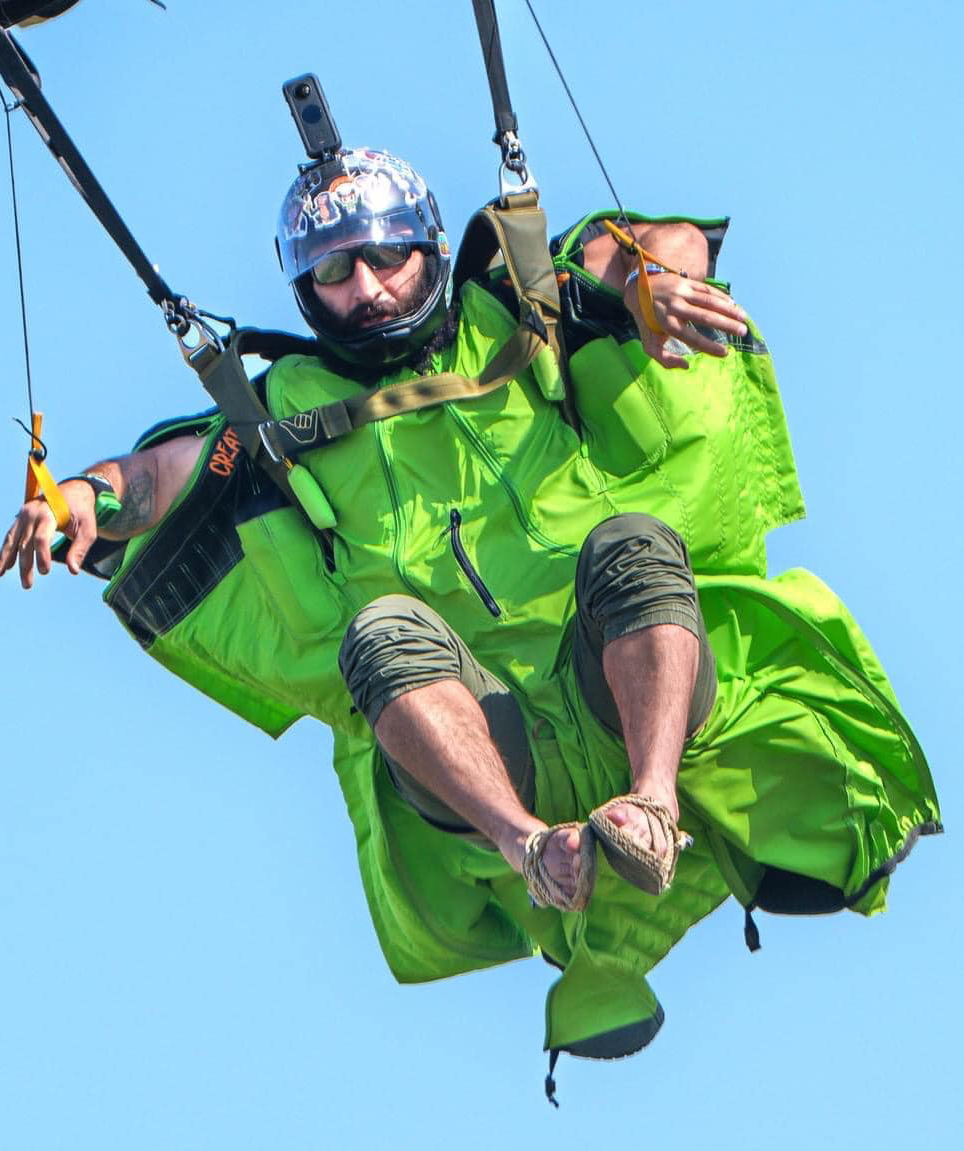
[(337, 266)]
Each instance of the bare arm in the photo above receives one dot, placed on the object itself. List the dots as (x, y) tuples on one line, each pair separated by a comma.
[(146, 483), (681, 244), (679, 302)]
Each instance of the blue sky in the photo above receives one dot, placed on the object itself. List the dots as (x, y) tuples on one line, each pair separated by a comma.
[(185, 956)]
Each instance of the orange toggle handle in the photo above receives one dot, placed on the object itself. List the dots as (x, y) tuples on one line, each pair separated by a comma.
[(40, 481), (643, 290)]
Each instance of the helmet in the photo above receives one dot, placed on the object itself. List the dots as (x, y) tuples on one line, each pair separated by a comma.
[(364, 197)]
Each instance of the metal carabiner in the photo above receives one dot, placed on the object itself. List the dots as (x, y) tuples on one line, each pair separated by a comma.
[(196, 338), (514, 161)]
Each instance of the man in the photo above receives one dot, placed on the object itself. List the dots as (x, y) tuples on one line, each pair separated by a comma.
[(499, 617)]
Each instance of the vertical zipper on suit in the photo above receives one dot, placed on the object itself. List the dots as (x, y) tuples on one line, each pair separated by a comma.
[(462, 559)]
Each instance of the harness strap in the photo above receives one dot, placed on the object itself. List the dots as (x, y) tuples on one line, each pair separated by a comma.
[(305, 431), (517, 227), (226, 382), (273, 445)]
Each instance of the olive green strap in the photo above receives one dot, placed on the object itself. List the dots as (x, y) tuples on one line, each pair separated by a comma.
[(319, 426), (227, 383), (517, 227)]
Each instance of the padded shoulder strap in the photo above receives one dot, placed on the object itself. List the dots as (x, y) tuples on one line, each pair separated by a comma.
[(516, 226)]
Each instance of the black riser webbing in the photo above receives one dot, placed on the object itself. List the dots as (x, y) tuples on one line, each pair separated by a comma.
[(505, 119), (17, 76)]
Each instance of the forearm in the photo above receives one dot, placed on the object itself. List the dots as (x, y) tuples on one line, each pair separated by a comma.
[(146, 483), (679, 245), (135, 481)]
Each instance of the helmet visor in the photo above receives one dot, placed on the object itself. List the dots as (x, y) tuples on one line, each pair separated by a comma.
[(378, 200)]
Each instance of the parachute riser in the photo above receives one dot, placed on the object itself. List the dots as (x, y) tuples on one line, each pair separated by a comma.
[(514, 175), (22, 79)]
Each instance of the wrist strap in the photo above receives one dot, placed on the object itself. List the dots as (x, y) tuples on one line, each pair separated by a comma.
[(101, 484)]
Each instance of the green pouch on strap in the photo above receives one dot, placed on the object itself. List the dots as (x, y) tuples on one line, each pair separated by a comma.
[(312, 499)]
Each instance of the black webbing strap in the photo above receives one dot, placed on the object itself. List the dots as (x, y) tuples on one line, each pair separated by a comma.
[(550, 1078), (24, 12), (18, 75), (505, 118)]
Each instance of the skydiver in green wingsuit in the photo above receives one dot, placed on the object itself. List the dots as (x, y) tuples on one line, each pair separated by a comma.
[(552, 736)]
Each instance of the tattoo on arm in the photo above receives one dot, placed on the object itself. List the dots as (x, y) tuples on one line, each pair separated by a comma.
[(137, 511)]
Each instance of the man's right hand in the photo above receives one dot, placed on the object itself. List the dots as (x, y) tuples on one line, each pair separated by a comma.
[(33, 530)]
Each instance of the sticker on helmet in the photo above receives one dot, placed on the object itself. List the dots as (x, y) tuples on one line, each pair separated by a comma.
[(375, 182)]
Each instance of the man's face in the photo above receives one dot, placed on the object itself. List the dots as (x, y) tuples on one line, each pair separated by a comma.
[(368, 297)]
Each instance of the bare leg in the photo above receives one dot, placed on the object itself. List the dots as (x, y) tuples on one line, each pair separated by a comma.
[(438, 733), (651, 674)]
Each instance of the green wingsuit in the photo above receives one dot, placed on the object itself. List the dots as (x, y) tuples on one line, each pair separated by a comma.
[(802, 790)]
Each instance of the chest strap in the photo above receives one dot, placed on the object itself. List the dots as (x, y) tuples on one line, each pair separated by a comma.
[(274, 443)]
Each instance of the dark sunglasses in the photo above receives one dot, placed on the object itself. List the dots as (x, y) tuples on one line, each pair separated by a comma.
[(339, 265)]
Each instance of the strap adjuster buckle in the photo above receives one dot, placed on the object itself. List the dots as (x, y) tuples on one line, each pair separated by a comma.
[(264, 434)]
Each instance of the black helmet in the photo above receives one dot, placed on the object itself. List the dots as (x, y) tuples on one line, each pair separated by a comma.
[(365, 198)]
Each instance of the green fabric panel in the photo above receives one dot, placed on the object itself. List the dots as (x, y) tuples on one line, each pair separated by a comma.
[(729, 476), (274, 673), (427, 891), (199, 651), (625, 430), (286, 561), (617, 940)]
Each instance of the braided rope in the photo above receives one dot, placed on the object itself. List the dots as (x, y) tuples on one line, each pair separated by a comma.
[(646, 869), (543, 889)]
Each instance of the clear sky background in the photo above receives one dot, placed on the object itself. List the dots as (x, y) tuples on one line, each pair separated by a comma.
[(186, 960)]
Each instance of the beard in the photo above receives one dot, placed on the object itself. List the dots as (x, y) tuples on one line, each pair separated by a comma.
[(377, 312)]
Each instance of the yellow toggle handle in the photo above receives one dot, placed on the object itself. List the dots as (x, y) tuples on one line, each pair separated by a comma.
[(643, 289), (40, 481)]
